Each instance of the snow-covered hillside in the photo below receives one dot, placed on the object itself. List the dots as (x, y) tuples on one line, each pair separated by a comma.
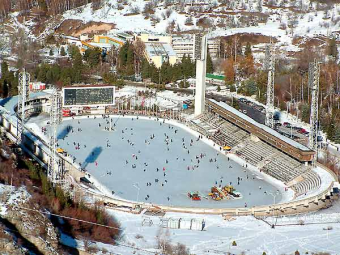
[(285, 20)]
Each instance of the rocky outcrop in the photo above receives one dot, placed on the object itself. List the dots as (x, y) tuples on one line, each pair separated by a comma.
[(8, 246), (32, 225)]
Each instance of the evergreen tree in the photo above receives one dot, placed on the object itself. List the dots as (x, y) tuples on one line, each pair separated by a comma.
[(331, 129), (13, 83), (42, 74), (184, 83), (235, 104), (145, 69), (122, 56), (8, 81), (42, 5), (305, 115), (154, 73), (5, 89), (250, 87), (337, 134), (62, 52), (73, 50), (77, 62), (248, 51), (53, 74), (4, 69), (51, 52), (92, 56), (332, 48), (130, 64), (109, 78), (126, 59), (166, 73), (210, 65), (188, 66), (77, 65)]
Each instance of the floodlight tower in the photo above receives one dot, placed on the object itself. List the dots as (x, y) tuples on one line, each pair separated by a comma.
[(200, 55), (270, 64), (23, 94), (313, 83), (55, 173)]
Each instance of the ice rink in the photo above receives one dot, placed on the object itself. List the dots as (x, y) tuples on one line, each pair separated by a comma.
[(149, 157)]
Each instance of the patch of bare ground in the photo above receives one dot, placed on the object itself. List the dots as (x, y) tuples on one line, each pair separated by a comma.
[(77, 27), (307, 43), (253, 39)]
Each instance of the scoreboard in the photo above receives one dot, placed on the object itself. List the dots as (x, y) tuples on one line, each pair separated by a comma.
[(88, 96)]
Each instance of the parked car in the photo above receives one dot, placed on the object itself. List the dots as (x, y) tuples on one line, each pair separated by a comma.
[(286, 123), (261, 108), (302, 131)]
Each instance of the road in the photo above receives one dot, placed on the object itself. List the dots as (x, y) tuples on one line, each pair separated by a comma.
[(253, 112)]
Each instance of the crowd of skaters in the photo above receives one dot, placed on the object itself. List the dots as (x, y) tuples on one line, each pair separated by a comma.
[(161, 172)]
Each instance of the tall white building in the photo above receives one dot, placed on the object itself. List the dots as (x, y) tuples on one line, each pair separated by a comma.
[(184, 45), (200, 54)]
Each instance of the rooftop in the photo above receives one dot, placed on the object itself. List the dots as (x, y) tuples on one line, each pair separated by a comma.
[(9, 103), (263, 127), (159, 49)]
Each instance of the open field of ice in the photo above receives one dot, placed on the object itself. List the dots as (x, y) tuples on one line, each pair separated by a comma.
[(155, 162)]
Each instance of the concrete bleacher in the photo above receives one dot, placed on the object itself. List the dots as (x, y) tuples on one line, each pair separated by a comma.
[(284, 168), (255, 152), (219, 130), (258, 153), (311, 181)]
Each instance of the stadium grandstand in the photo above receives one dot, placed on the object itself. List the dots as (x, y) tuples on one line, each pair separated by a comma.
[(260, 146)]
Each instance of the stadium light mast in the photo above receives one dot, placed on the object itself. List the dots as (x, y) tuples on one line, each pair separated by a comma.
[(55, 173), (270, 65), (200, 55), (313, 83), (23, 95)]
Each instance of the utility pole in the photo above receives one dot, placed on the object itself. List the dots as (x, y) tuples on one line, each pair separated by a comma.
[(270, 63), (313, 83), (55, 170), (23, 95)]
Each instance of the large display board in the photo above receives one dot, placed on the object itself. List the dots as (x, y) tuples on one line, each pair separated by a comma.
[(87, 96)]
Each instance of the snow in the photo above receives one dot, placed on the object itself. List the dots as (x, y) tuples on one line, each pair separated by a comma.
[(164, 99), (252, 236), (310, 24), (14, 196)]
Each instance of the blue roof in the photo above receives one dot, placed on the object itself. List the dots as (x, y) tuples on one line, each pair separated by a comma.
[(9, 103)]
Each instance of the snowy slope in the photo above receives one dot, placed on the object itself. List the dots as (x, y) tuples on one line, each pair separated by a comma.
[(305, 21), (252, 236)]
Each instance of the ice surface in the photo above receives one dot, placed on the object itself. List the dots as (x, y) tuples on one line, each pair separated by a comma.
[(108, 164)]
